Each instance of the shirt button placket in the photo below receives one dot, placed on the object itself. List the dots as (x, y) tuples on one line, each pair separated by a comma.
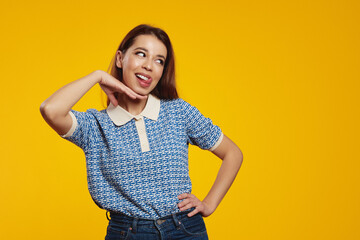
[(140, 127)]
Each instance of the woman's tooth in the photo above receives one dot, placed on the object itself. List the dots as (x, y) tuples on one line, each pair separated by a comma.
[(142, 77)]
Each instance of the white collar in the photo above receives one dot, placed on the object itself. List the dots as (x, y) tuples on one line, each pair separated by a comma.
[(120, 116)]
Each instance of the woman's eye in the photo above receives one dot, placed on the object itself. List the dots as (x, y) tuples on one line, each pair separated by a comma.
[(160, 61), (141, 54)]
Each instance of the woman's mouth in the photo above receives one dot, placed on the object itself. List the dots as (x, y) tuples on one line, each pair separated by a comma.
[(144, 80)]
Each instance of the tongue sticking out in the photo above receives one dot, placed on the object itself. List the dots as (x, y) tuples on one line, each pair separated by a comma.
[(144, 81)]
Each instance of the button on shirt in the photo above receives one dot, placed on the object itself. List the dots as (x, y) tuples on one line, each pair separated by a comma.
[(138, 165)]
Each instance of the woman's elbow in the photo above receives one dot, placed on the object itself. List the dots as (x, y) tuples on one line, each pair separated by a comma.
[(45, 110), (235, 157), (238, 157), (48, 112)]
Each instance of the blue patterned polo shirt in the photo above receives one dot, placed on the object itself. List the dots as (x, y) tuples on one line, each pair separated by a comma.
[(138, 165)]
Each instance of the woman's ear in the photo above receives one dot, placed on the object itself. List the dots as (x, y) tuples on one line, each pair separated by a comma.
[(118, 59)]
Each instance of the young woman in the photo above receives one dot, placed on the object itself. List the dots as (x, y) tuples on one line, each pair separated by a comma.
[(137, 149)]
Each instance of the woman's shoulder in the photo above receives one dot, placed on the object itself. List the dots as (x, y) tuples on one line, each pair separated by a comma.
[(100, 115), (91, 113), (174, 103), (178, 107)]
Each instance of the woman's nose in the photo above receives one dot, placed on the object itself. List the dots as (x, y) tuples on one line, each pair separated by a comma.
[(147, 65)]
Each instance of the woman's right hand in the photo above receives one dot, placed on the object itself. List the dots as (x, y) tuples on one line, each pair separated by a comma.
[(55, 109), (111, 85)]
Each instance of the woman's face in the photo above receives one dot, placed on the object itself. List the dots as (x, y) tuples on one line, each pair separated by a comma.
[(142, 64)]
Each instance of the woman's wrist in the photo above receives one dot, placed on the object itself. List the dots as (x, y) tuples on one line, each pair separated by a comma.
[(210, 205), (98, 76)]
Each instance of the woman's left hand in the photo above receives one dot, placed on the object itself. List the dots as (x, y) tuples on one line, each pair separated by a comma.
[(190, 200)]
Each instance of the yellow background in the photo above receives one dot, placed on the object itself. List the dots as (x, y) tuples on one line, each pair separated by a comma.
[(281, 78)]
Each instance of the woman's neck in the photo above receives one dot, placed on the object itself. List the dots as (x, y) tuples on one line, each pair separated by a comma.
[(133, 106)]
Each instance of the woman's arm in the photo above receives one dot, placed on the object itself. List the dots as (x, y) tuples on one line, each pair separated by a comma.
[(55, 109), (232, 159)]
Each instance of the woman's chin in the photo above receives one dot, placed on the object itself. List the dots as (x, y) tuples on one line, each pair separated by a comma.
[(143, 91)]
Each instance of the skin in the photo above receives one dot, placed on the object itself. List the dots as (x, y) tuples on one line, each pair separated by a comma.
[(232, 158), (145, 56)]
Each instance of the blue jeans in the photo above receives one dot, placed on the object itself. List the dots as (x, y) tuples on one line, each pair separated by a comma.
[(175, 226)]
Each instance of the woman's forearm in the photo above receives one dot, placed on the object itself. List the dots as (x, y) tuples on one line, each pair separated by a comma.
[(55, 109), (60, 102), (232, 159)]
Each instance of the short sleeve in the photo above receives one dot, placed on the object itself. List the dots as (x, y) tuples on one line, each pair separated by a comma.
[(79, 132), (200, 130)]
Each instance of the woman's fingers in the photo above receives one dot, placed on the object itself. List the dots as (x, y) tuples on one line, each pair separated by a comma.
[(112, 99), (128, 91), (195, 211), (183, 195), (122, 89), (186, 204), (190, 201), (111, 85)]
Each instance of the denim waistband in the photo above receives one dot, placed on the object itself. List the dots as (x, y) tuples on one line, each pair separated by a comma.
[(174, 218)]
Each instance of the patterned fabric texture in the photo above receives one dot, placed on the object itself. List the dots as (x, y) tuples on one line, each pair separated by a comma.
[(122, 178)]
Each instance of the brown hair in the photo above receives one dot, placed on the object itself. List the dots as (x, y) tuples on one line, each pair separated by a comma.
[(166, 88)]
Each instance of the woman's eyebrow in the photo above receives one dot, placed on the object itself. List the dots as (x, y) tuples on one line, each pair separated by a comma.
[(144, 49)]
